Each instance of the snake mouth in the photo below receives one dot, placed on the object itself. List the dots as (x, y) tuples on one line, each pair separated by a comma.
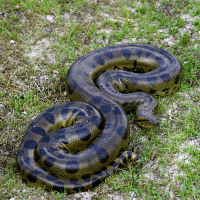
[(147, 123)]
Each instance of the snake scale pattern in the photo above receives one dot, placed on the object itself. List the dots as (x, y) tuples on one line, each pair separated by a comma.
[(75, 145)]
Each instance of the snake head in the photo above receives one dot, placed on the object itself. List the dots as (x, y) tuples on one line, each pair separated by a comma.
[(146, 119)]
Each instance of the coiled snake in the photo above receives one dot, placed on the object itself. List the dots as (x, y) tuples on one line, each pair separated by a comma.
[(75, 145)]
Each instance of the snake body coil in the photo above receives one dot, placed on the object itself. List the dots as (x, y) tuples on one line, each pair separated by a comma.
[(75, 145)]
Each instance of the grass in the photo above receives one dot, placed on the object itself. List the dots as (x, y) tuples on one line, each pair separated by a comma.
[(35, 54)]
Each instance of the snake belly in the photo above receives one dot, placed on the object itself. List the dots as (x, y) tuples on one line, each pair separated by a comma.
[(75, 145)]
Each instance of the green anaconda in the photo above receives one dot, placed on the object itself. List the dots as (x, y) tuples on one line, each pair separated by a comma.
[(75, 145)]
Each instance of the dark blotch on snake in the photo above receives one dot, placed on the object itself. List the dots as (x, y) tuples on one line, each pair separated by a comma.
[(139, 52), (116, 68), (122, 132), (160, 60), (59, 186), (92, 65), (72, 166), (165, 77), (105, 109), (117, 111), (135, 63), (21, 153), (49, 162), (45, 139), (95, 100), (89, 107), (102, 155), (31, 178), (122, 157), (108, 54), (64, 112), (32, 175), (94, 120), (166, 90), (136, 158), (126, 53), (86, 178), (49, 117), (68, 104), (73, 85), (73, 181), (147, 54), (51, 178), (27, 161), (30, 144), (84, 134), (95, 181), (42, 152), (99, 60), (60, 137), (151, 80), (38, 130), (116, 164), (61, 156), (129, 153), (152, 91)]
